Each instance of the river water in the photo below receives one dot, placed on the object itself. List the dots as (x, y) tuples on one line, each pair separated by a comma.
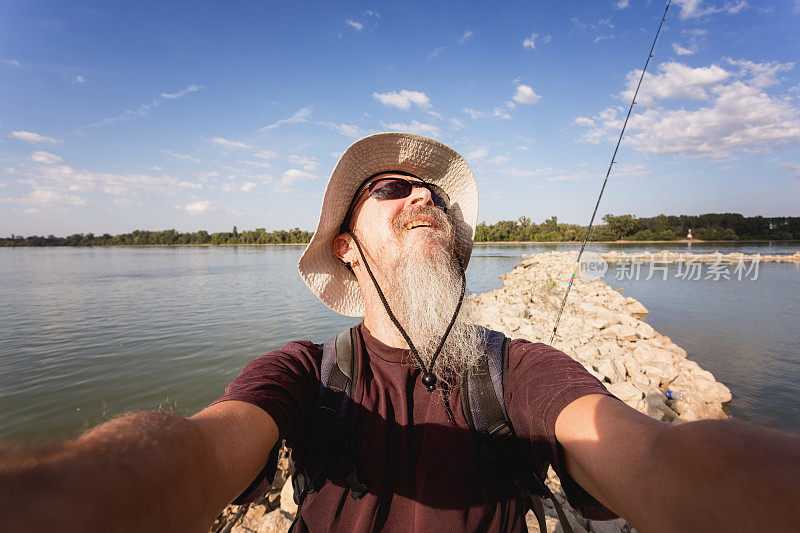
[(87, 333)]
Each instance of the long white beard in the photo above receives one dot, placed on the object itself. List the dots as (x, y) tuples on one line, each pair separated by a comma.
[(425, 290)]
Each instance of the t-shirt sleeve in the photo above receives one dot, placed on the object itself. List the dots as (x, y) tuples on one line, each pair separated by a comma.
[(285, 384), (539, 383)]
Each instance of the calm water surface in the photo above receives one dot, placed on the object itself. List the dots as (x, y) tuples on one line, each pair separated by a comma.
[(86, 333)]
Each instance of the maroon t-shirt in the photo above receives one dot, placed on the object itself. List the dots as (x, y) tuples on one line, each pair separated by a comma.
[(420, 467)]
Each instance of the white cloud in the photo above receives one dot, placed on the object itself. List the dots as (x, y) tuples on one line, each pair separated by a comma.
[(622, 4), (143, 110), (46, 158), (358, 26), (12, 62), (674, 80), (436, 51), (50, 199), (301, 115), (403, 99), (80, 79), (201, 206), (520, 173), (497, 112), (630, 170), (348, 130), (230, 145), (732, 113), (530, 42), (794, 168), (763, 74), (190, 185), (184, 157), (238, 187), (681, 51), (525, 95), (456, 124), (181, 93), (294, 175), (571, 176), (697, 8), (479, 152), (56, 185), (601, 29), (309, 164), (265, 154), (32, 137), (459, 42), (259, 164), (60, 179), (419, 128), (499, 159)]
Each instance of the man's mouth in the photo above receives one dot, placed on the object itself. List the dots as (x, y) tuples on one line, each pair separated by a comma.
[(418, 224)]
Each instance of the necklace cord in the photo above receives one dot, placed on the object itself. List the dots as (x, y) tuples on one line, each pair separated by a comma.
[(608, 173)]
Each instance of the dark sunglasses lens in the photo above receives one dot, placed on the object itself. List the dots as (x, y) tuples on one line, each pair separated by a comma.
[(390, 190), (395, 189), (439, 197)]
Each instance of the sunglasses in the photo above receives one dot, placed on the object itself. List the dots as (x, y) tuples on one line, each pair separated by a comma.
[(394, 188)]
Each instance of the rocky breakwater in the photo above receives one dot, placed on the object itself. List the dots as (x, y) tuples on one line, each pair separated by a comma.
[(600, 328), (667, 257), (606, 332)]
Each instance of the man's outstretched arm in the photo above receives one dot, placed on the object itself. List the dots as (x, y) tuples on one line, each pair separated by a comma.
[(711, 475), (147, 471)]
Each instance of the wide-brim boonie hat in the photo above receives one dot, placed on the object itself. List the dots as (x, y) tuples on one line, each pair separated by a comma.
[(324, 273)]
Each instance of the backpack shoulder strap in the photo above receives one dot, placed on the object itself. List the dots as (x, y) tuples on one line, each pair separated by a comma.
[(483, 403), (327, 452)]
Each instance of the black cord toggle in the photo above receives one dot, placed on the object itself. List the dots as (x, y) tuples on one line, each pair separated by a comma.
[(429, 380)]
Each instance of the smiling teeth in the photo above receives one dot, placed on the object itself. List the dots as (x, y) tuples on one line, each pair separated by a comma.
[(417, 223)]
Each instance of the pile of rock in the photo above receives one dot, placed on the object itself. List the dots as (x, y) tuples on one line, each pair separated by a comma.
[(601, 329), (605, 332)]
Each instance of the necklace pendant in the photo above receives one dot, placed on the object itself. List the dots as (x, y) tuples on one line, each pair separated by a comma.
[(429, 380)]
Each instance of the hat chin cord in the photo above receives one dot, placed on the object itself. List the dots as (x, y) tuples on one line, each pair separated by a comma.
[(428, 378)]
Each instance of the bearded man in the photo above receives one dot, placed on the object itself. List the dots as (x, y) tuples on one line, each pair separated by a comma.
[(393, 240)]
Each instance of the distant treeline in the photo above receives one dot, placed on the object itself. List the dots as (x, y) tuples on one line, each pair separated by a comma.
[(166, 237), (710, 227)]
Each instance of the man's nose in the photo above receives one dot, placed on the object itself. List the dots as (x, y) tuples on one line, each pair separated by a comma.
[(419, 196)]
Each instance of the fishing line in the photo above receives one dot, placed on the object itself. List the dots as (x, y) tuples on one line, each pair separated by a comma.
[(608, 173)]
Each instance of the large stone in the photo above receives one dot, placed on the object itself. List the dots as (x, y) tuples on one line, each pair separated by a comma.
[(664, 372), (610, 348), (287, 498), (635, 308), (620, 332), (586, 352), (607, 368), (608, 526), (625, 391), (645, 331), (277, 521)]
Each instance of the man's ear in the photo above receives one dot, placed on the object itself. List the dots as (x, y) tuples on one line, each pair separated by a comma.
[(342, 247)]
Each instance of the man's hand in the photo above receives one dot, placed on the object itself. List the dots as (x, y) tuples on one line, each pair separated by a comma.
[(147, 471), (707, 475)]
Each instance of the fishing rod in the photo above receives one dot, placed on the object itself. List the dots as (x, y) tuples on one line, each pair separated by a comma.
[(608, 173)]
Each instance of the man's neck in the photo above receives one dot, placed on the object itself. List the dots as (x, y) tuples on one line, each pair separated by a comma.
[(383, 329)]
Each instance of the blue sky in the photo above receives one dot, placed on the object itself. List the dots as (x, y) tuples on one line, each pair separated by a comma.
[(205, 115)]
